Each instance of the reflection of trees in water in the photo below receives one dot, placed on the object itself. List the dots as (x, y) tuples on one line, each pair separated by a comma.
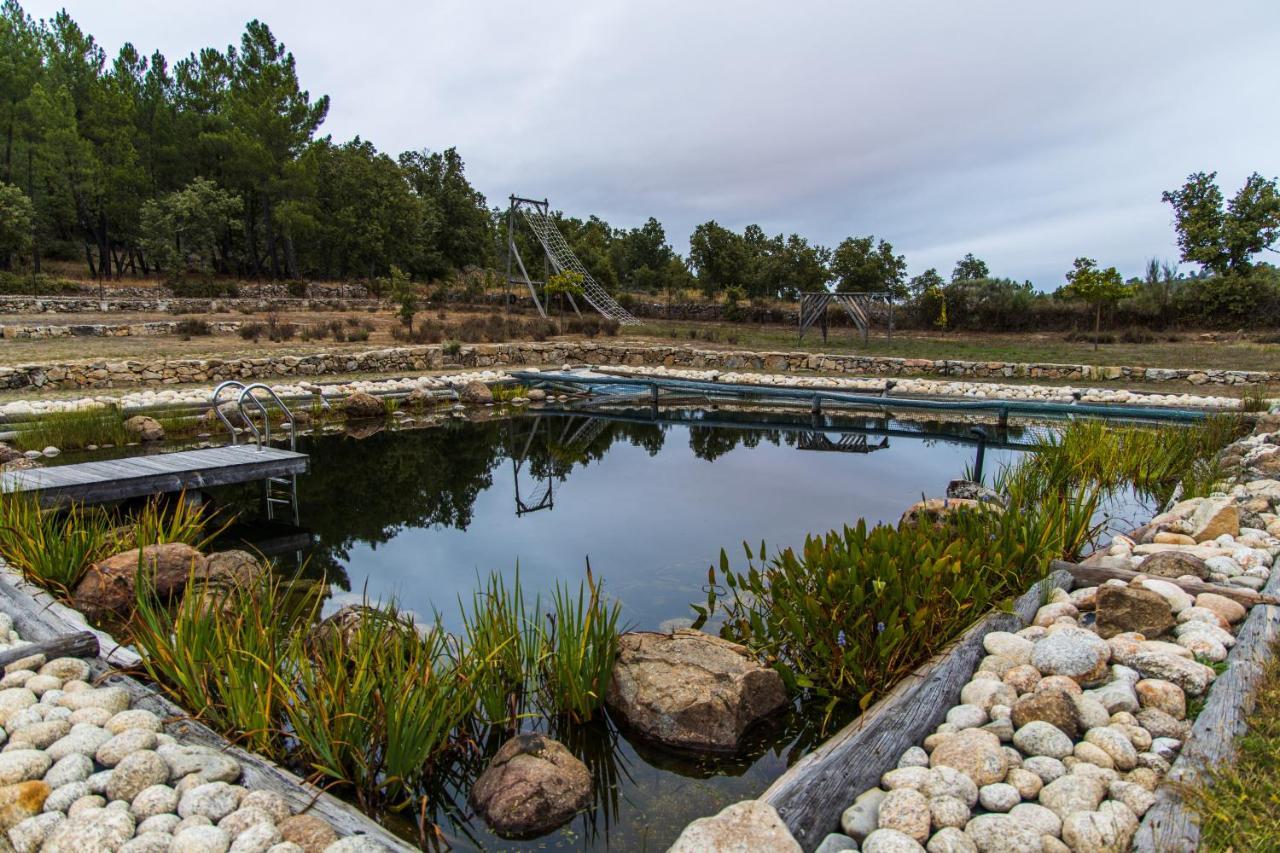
[(366, 491)]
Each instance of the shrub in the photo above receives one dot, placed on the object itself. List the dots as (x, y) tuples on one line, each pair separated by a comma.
[(252, 331), (357, 335), (192, 327), (1137, 335), (297, 288)]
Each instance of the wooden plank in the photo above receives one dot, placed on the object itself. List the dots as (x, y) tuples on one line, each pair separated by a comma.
[(81, 644), (1170, 826), (812, 794), (36, 621), (95, 482), (1095, 575)]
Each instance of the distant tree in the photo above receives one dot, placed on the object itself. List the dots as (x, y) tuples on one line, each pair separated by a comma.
[(562, 284), (1096, 286), (719, 256), (459, 230), (182, 230), (1225, 240), (862, 264), (16, 220), (404, 293), (970, 268), (923, 283)]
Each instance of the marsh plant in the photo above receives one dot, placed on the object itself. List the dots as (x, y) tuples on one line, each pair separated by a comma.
[(75, 429), (379, 705), (55, 547)]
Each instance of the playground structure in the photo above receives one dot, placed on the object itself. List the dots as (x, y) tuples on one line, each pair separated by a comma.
[(813, 309), (558, 257)]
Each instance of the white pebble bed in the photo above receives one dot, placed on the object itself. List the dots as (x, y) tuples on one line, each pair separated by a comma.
[(82, 771)]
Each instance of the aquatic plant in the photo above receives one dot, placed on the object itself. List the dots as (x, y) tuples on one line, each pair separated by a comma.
[(225, 651), (75, 429), (503, 643), (162, 521), (855, 610), (581, 647), (375, 706), (51, 548)]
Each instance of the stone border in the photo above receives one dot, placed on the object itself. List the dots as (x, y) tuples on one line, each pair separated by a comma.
[(92, 374), (155, 328), (813, 793), (1170, 826), (37, 616)]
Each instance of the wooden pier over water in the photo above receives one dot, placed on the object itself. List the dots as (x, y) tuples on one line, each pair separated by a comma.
[(139, 476)]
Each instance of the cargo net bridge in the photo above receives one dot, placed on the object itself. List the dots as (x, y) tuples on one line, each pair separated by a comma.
[(558, 257)]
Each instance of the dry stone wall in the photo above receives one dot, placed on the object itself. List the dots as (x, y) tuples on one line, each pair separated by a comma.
[(172, 371), (151, 304)]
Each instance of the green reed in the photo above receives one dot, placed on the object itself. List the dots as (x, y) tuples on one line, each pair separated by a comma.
[(75, 430), (49, 547)]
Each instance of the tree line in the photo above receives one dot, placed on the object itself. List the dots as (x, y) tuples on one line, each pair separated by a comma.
[(214, 165)]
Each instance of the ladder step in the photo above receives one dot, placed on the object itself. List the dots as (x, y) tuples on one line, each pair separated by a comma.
[(285, 501), (280, 481)]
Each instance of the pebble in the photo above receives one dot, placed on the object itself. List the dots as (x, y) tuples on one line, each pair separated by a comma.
[(202, 839), (129, 741), (214, 800), (907, 811), (998, 797), (890, 841), (136, 772), (1038, 738)]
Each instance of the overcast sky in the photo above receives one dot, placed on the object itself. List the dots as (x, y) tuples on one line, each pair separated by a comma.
[(1026, 132)]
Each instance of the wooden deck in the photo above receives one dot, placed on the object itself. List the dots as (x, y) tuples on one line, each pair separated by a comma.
[(138, 476)]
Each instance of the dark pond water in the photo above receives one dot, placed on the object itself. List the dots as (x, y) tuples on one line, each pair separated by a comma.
[(420, 515)]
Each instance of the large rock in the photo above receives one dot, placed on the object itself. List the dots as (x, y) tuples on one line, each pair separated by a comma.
[(475, 392), (690, 689), (532, 785), (746, 826), (1074, 652), (144, 428), (361, 405), (109, 585), (1052, 706), (975, 753), (234, 568), (937, 510), (1126, 608), (1214, 517), (1173, 564)]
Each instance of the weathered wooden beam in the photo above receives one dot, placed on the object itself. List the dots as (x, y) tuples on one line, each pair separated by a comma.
[(1170, 826), (81, 644), (812, 794), (1095, 575)]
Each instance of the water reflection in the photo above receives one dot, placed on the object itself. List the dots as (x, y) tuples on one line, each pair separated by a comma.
[(420, 515)]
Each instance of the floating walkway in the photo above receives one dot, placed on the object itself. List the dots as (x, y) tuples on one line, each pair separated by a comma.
[(634, 384), (140, 476)]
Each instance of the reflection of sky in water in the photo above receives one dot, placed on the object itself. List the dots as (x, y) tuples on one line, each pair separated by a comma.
[(651, 525)]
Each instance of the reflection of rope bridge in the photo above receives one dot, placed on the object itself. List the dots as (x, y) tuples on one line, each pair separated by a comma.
[(847, 443), (576, 432)]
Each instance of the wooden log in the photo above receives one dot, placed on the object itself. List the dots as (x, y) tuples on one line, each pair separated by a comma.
[(37, 619), (812, 794), (1096, 575), (1170, 826), (81, 644)]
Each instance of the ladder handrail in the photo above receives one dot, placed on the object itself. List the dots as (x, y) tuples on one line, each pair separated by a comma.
[(217, 407), (265, 435)]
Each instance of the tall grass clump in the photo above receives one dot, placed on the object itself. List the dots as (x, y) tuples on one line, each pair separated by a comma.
[(51, 548), (75, 429), (560, 658), (161, 522), (1150, 460), (225, 651), (375, 706), (581, 647)]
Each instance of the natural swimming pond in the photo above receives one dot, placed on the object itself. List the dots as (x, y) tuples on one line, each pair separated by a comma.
[(422, 515)]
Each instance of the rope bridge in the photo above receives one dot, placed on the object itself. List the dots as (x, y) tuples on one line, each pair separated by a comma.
[(538, 217)]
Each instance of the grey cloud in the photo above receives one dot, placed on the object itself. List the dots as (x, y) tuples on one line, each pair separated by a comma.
[(1026, 132)]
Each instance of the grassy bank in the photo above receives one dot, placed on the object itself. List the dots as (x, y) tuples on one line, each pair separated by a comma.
[(1239, 803)]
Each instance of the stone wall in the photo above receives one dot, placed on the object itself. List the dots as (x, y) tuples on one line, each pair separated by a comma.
[(170, 371), (151, 304), (110, 330)]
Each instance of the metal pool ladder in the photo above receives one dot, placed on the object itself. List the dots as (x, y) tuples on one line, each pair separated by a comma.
[(279, 492)]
